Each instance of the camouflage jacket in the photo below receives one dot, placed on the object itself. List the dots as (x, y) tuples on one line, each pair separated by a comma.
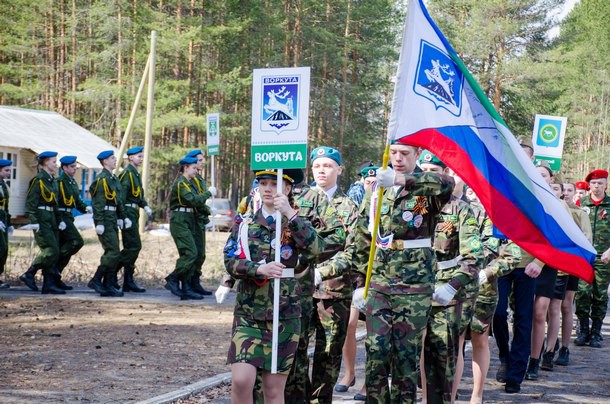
[(501, 256), (69, 196), (457, 247), (254, 292), (105, 191), (42, 191), (5, 216), (184, 195), (408, 214), (203, 212), (599, 216), (337, 282), (132, 187)]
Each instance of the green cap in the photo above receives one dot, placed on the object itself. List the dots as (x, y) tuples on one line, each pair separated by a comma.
[(369, 172), (429, 158)]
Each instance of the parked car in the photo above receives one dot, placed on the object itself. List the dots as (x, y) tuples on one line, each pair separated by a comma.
[(222, 214)]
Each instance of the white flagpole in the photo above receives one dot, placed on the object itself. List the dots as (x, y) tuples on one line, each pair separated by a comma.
[(213, 185), (276, 281)]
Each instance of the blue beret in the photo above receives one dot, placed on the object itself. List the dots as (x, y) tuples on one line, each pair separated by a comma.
[(67, 160), (105, 154), (188, 160), (5, 163), (46, 154), (194, 153), (135, 150), (324, 151)]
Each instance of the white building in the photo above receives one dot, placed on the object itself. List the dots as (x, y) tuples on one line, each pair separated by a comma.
[(25, 133)]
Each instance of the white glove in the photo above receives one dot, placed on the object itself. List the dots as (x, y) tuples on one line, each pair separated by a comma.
[(127, 223), (62, 226), (11, 229), (214, 211), (88, 209), (358, 299), (2, 226), (99, 229), (221, 293), (148, 211), (444, 294), (212, 190), (120, 223), (317, 277), (36, 227), (482, 277), (386, 178)]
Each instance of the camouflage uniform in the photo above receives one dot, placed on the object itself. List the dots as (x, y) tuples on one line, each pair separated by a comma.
[(133, 197), (333, 300), (458, 252), (5, 217), (400, 291), (202, 215), (592, 299), (70, 240), (253, 315)]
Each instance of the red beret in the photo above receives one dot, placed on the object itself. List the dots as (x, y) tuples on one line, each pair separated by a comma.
[(596, 174), (582, 185)]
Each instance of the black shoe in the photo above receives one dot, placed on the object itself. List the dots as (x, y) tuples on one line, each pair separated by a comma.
[(172, 284), (342, 388), (114, 280), (188, 293), (563, 359), (501, 373), (596, 341), (583, 336), (29, 278), (111, 291), (129, 285), (96, 284), (547, 361), (197, 288), (62, 285), (4, 285), (359, 397), (532, 369), (512, 387), (49, 286)]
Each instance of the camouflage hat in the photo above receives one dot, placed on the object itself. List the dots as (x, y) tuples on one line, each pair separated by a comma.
[(428, 158)]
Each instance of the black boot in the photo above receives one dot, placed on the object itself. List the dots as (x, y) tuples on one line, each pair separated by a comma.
[(29, 278), (129, 285), (563, 359), (583, 337), (48, 284), (96, 283), (532, 369), (197, 288), (59, 283), (188, 293), (173, 284), (596, 334), (114, 279), (108, 284), (547, 361)]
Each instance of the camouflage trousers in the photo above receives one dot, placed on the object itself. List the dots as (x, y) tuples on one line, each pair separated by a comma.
[(395, 324), (441, 347), (468, 312), (592, 300), (298, 386), (330, 324)]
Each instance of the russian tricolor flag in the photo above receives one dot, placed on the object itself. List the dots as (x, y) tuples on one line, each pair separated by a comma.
[(439, 106)]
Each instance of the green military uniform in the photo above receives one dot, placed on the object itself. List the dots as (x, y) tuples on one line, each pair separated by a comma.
[(184, 199), (203, 217), (313, 206), (5, 218), (253, 315), (41, 208), (133, 198), (332, 299), (592, 299), (458, 253), (70, 240), (108, 208), (402, 281)]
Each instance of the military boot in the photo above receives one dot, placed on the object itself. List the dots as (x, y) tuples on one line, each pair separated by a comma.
[(96, 283), (583, 337), (113, 278), (173, 284), (596, 334), (547, 360), (48, 284), (563, 359), (532, 369), (197, 288), (187, 292), (61, 284), (29, 278), (129, 285), (109, 286)]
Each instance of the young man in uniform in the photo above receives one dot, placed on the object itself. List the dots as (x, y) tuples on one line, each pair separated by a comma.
[(592, 300), (70, 240), (133, 196), (5, 216)]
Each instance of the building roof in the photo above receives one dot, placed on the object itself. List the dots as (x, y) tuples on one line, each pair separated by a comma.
[(43, 130)]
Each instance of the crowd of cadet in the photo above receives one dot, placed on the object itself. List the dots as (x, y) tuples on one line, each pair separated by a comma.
[(440, 275)]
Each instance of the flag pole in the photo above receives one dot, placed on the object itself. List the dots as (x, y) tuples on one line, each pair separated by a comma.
[(276, 281), (369, 269)]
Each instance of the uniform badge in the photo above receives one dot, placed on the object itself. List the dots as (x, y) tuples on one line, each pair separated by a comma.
[(447, 227), (272, 243), (417, 221), (603, 214), (586, 209), (286, 252), (421, 206), (265, 238), (407, 216)]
